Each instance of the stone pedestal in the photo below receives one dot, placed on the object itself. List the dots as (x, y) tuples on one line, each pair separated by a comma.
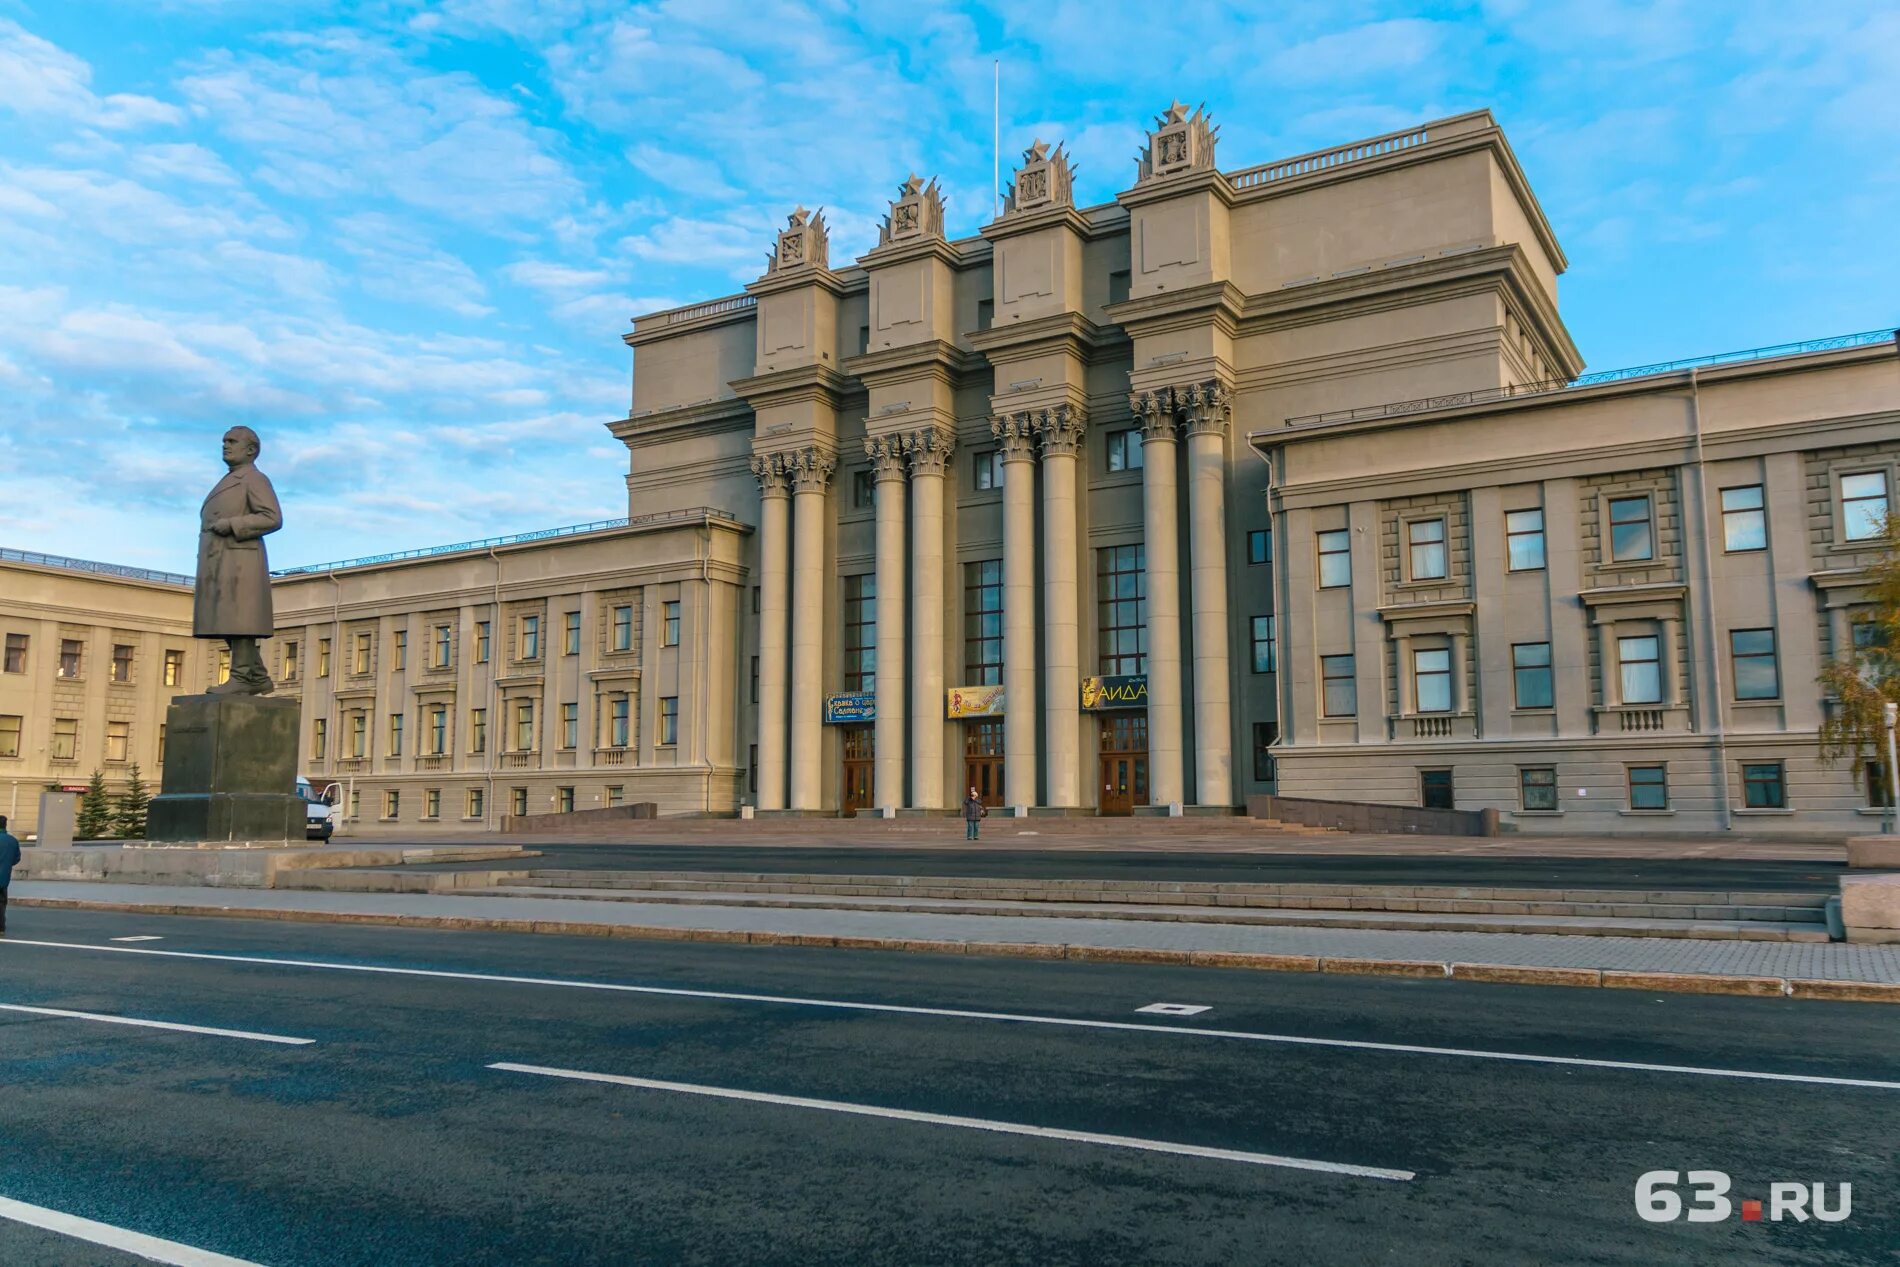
[(1873, 853), (230, 771)]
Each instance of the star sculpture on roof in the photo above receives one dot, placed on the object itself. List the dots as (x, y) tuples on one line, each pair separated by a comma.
[(1177, 112), (797, 218), (913, 185), (1038, 150)]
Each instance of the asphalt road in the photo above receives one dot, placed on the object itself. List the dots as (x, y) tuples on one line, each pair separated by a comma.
[(389, 1138), (1520, 872)]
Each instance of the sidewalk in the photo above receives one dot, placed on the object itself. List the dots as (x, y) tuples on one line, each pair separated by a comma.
[(1765, 968)]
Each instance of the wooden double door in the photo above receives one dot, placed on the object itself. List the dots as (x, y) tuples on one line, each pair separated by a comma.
[(983, 762), (859, 770), (1124, 763)]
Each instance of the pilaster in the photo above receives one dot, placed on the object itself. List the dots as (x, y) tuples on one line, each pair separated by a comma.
[(775, 540), (1155, 412), (887, 470), (1059, 432), (810, 471), (1207, 408), (1016, 438), (928, 449)]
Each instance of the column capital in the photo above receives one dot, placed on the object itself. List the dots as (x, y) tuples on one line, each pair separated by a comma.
[(810, 468), (1207, 407), (769, 469), (1016, 435), (887, 456), (929, 449), (1154, 413), (1060, 429)]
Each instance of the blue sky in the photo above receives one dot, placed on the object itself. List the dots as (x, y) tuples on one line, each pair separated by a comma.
[(402, 239)]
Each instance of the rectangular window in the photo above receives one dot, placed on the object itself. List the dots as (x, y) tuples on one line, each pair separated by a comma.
[(472, 805), (121, 663), (1744, 519), (669, 719), (438, 729), (755, 679), (323, 657), (432, 803), (1640, 659), (71, 657), (291, 650), (161, 745), (16, 655), (619, 721), (1335, 559), (1874, 773), (1263, 644), (118, 740), (1260, 545), (670, 623), (863, 490), (1524, 539), (1648, 787), (570, 633), (319, 739), (1121, 605), (1752, 652), (752, 769), (356, 803), (1339, 695), (564, 800), (223, 673), (1124, 450), (481, 641), (1537, 788), (1864, 506), (530, 638), (1631, 539), (359, 656), (518, 801), (392, 803), (444, 647), (616, 793), (400, 652), (359, 734), (1425, 538), (570, 725), (478, 730), (395, 734), (1431, 679), (983, 622), (65, 745), (987, 466), (174, 668), (860, 632), (1530, 675), (10, 725), (1764, 786), (1265, 735), (1434, 790), (623, 625), (524, 725)]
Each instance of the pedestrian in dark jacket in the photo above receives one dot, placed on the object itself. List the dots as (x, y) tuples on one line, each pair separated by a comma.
[(9, 859), (974, 812)]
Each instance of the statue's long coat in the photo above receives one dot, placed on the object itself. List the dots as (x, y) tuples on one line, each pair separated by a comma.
[(233, 596)]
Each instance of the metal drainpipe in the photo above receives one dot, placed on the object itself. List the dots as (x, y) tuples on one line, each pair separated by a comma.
[(1708, 599), (495, 722), (334, 713)]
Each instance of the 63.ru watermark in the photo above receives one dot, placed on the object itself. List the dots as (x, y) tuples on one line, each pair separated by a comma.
[(1706, 1200)]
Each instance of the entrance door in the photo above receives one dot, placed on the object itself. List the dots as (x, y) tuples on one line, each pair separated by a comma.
[(858, 786), (1124, 763), (983, 761)]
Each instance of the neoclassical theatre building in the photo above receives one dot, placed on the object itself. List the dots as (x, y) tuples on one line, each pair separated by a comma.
[(1273, 479)]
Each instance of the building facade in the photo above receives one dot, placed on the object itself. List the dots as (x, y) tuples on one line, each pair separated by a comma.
[(90, 655)]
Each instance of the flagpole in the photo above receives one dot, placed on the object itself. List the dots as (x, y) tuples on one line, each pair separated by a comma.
[(996, 143)]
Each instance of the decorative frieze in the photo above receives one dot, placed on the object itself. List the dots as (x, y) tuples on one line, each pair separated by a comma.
[(1180, 142), (804, 242), (929, 449), (1046, 179), (915, 214)]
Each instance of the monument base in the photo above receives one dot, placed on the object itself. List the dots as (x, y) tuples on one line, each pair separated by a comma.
[(230, 771)]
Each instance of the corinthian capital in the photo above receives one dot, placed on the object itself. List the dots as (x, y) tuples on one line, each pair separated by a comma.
[(810, 468), (1015, 436), (1060, 429), (929, 449), (887, 456), (1208, 406), (1154, 413), (769, 468)]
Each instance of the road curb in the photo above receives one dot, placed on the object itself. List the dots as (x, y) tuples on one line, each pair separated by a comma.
[(1832, 990)]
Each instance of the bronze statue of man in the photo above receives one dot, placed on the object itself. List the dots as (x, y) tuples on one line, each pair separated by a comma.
[(233, 596)]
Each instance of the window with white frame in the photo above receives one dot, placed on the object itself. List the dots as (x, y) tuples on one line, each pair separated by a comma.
[(1864, 505), (1640, 661), (1431, 679), (1524, 539), (1425, 542), (1339, 692), (1744, 519), (1632, 536), (1335, 558)]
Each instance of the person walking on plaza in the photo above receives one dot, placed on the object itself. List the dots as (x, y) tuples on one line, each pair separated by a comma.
[(9, 859), (974, 811)]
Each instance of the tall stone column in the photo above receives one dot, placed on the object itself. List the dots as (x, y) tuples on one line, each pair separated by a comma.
[(1018, 445), (1208, 407), (1061, 434), (811, 472), (1154, 411), (887, 467), (929, 450), (775, 542)]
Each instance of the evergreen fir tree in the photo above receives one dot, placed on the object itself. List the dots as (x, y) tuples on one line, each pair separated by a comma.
[(128, 815), (95, 810)]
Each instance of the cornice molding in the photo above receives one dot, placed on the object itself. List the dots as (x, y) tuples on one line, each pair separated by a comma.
[(801, 382)]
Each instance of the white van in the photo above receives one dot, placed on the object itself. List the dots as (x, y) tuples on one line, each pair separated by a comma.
[(320, 810)]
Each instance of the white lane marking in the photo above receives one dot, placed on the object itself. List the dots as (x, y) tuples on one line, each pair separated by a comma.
[(149, 1247), (1175, 1009), (146, 1024), (899, 1009), (138, 939), (968, 1123)]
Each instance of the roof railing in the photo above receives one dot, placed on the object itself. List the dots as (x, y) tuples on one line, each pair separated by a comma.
[(693, 312), (520, 538), (96, 568), (1486, 395)]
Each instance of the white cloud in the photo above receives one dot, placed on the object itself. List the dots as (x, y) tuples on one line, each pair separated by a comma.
[(40, 78)]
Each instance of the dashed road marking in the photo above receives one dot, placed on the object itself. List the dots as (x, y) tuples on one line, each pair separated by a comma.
[(1176, 1009), (138, 939), (149, 1247), (143, 1023)]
